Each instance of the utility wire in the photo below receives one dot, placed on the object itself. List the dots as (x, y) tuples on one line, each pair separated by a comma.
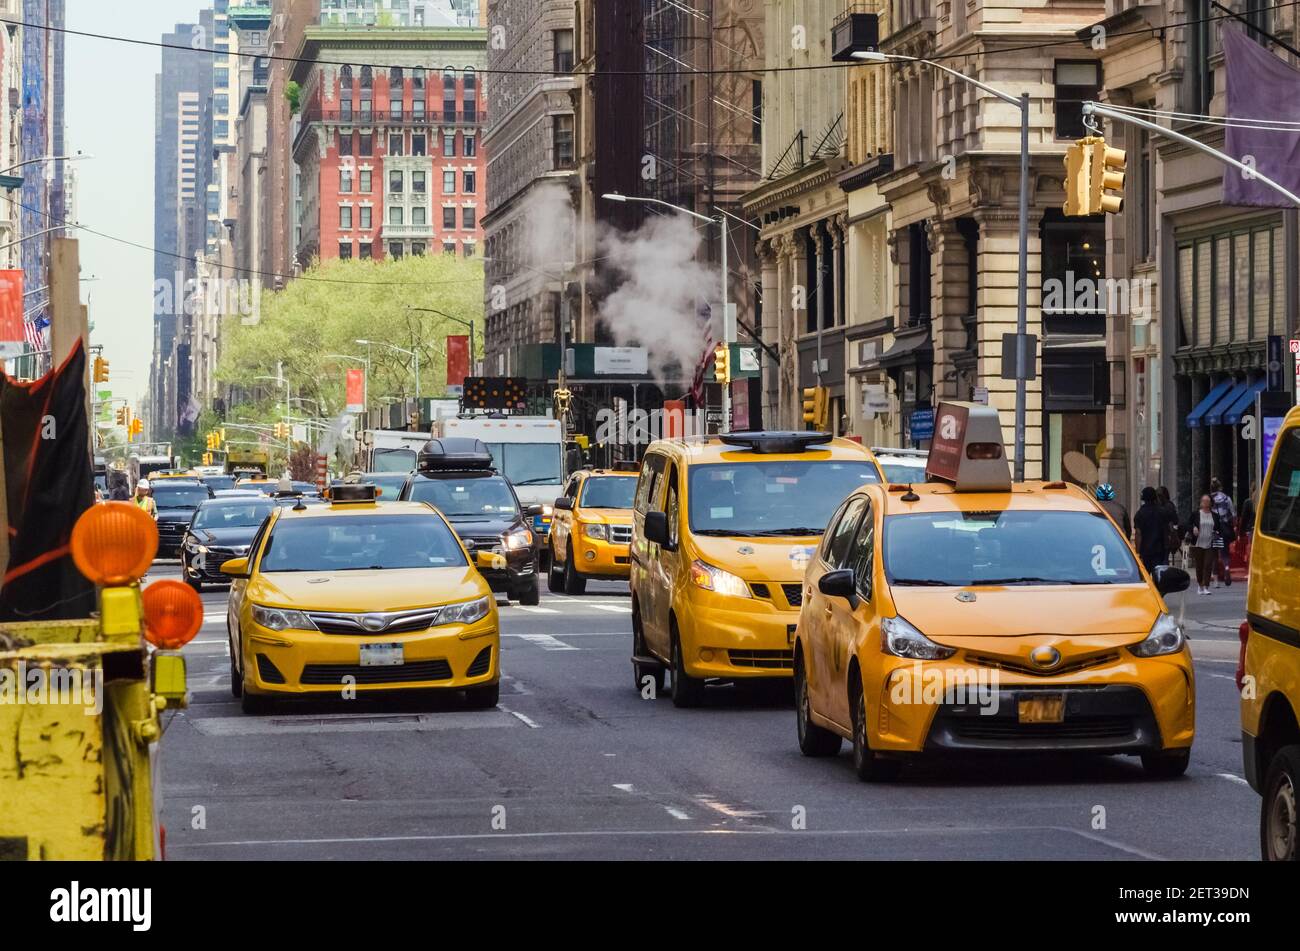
[(1074, 41), (1263, 125)]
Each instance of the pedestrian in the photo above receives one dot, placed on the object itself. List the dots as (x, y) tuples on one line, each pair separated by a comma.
[(119, 486), (1115, 509), (1167, 506), (1204, 530), (144, 498), (1223, 507), (1151, 531)]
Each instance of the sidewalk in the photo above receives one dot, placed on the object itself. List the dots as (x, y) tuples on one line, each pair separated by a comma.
[(1218, 613)]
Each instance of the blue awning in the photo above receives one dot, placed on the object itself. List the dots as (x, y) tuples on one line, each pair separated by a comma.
[(1194, 418), (1232, 415), (1215, 416)]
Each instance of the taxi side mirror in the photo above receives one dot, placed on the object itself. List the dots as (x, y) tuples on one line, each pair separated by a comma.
[(839, 584), (656, 529), (565, 503), (235, 567), (1170, 580)]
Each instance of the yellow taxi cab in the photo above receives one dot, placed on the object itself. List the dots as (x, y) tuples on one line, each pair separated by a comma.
[(972, 614), (173, 474), (1269, 673), (723, 528), (261, 484), (358, 596), (591, 530)]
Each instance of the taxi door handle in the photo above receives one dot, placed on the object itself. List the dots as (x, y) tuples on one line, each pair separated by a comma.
[(828, 610)]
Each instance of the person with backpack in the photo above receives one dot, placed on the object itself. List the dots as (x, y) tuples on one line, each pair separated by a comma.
[(1115, 509), (1223, 507)]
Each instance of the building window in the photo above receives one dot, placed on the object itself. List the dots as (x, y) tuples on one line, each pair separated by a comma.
[(419, 215), (417, 249), (365, 181), (1230, 286), (395, 214), (367, 217), (366, 144), (345, 250), (345, 143), (417, 108), (418, 182), (367, 251), (449, 182), (1076, 83), (449, 219), (469, 249), (1200, 48), (419, 143), (563, 41), (1257, 14), (1146, 186), (449, 145), (469, 218), (395, 250), (470, 146), (395, 182), (756, 109), (470, 183), (562, 142), (345, 217), (345, 181), (449, 247), (395, 143)]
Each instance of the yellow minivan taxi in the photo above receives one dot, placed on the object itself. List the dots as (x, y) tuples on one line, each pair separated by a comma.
[(355, 598), (722, 531), (591, 530), (1269, 674), (971, 614)]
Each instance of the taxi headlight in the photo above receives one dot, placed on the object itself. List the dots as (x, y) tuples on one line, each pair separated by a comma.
[(547, 510), (597, 531), (280, 619), (466, 612), (715, 579), (1166, 637), (517, 540), (901, 639)]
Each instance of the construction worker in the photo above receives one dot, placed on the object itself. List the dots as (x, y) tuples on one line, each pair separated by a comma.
[(144, 498)]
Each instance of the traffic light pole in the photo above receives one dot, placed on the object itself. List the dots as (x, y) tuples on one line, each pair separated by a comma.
[(1097, 109)]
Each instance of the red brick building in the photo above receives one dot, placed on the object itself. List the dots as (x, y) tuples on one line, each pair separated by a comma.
[(389, 152)]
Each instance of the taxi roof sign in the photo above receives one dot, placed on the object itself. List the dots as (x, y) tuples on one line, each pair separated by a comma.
[(350, 492), (763, 442), (967, 449)]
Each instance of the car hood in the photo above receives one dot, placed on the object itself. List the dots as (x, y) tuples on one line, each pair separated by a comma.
[(393, 589), (780, 559), (175, 515), (479, 528), (225, 537), (608, 516), (1020, 611)]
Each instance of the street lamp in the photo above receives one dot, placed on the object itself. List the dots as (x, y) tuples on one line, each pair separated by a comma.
[(48, 158), (728, 331), (1022, 299), (409, 353), (460, 320)]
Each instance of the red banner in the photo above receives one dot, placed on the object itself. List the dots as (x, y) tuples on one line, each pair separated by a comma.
[(356, 391), (457, 360), (11, 309)]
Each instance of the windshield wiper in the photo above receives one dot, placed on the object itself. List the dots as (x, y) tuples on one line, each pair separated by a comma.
[(1029, 579), (541, 480), (790, 531), (923, 582), (729, 533)]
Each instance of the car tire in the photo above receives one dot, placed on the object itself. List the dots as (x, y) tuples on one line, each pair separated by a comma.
[(236, 680), (1279, 813), (574, 582), (195, 583), (640, 671), (555, 577), (813, 739), (866, 764), (1167, 764), (531, 594), (253, 704), (688, 691), (483, 698)]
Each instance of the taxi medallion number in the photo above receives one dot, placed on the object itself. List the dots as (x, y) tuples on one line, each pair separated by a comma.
[(1049, 709), (382, 655)]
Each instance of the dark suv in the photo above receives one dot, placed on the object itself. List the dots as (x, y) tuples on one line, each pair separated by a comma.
[(456, 477), (177, 501)]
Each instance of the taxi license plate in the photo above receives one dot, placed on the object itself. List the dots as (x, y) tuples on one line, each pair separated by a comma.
[(1049, 709), (382, 655)]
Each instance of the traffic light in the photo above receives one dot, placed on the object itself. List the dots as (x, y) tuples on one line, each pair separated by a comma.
[(207, 458), (1106, 169), (1077, 185), (101, 370), (124, 417), (722, 363), (816, 405), (222, 433), (137, 427)]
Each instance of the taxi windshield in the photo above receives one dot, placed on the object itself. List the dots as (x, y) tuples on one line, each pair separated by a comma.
[(484, 496), (608, 492), (233, 514), (361, 542), (771, 498), (959, 549)]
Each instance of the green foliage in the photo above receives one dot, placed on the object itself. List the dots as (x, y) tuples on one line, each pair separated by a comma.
[(311, 319), (293, 93)]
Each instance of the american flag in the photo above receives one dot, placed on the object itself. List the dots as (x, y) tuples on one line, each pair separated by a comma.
[(34, 331), (705, 316)]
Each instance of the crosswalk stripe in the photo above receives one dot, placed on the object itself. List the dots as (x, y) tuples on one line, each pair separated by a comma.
[(536, 610), (547, 642)]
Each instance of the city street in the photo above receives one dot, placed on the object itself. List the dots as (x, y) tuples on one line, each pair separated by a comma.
[(574, 764)]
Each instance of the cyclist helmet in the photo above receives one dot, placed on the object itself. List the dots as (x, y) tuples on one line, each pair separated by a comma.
[(1105, 492)]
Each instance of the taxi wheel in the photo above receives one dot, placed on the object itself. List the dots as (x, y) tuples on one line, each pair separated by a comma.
[(236, 680), (531, 594), (1279, 814), (641, 671), (483, 698), (869, 767), (687, 690), (253, 704), (555, 577), (1167, 764), (813, 740), (574, 582)]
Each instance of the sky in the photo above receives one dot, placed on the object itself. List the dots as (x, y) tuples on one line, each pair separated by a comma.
[(110, 115)]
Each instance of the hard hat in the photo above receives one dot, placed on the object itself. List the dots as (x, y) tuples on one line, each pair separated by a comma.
[(1105, 492), (143, 484)]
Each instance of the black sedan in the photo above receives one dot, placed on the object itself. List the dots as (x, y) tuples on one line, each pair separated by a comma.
[(222, 529)]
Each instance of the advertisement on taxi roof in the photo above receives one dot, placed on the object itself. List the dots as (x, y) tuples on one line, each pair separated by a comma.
[(946, 446)]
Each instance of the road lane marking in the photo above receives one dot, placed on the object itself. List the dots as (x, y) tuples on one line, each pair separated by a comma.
[(531, 724), (536, 610), (625, 787), (614, 608), (547, 643), (351, 723), (731, 812), (1233, 777), (676, 813)]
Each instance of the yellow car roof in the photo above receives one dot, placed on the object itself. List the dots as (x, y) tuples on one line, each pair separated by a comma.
[(609, 472), (376, 509), (1024, 496), (698, 450)]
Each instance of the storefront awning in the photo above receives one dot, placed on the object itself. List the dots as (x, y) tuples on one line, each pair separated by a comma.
[(1215, 416), (1196, 417), (1231, 416), (909, 344)]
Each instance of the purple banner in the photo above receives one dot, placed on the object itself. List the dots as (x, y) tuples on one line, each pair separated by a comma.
[(1260, 86)]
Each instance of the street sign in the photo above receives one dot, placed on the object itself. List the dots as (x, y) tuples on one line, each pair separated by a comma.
[(875, 399), (980, 394), (621, 361), (495, 392), (1009, 356), (748, 360), (1275, 381), (921, 424)]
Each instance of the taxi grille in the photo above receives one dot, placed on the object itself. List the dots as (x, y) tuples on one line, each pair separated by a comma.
[(771, 660), (333, 674), (482, 663), (1097, 660), (351, 624), (793, 594), (1100, 727), (620, 534)]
